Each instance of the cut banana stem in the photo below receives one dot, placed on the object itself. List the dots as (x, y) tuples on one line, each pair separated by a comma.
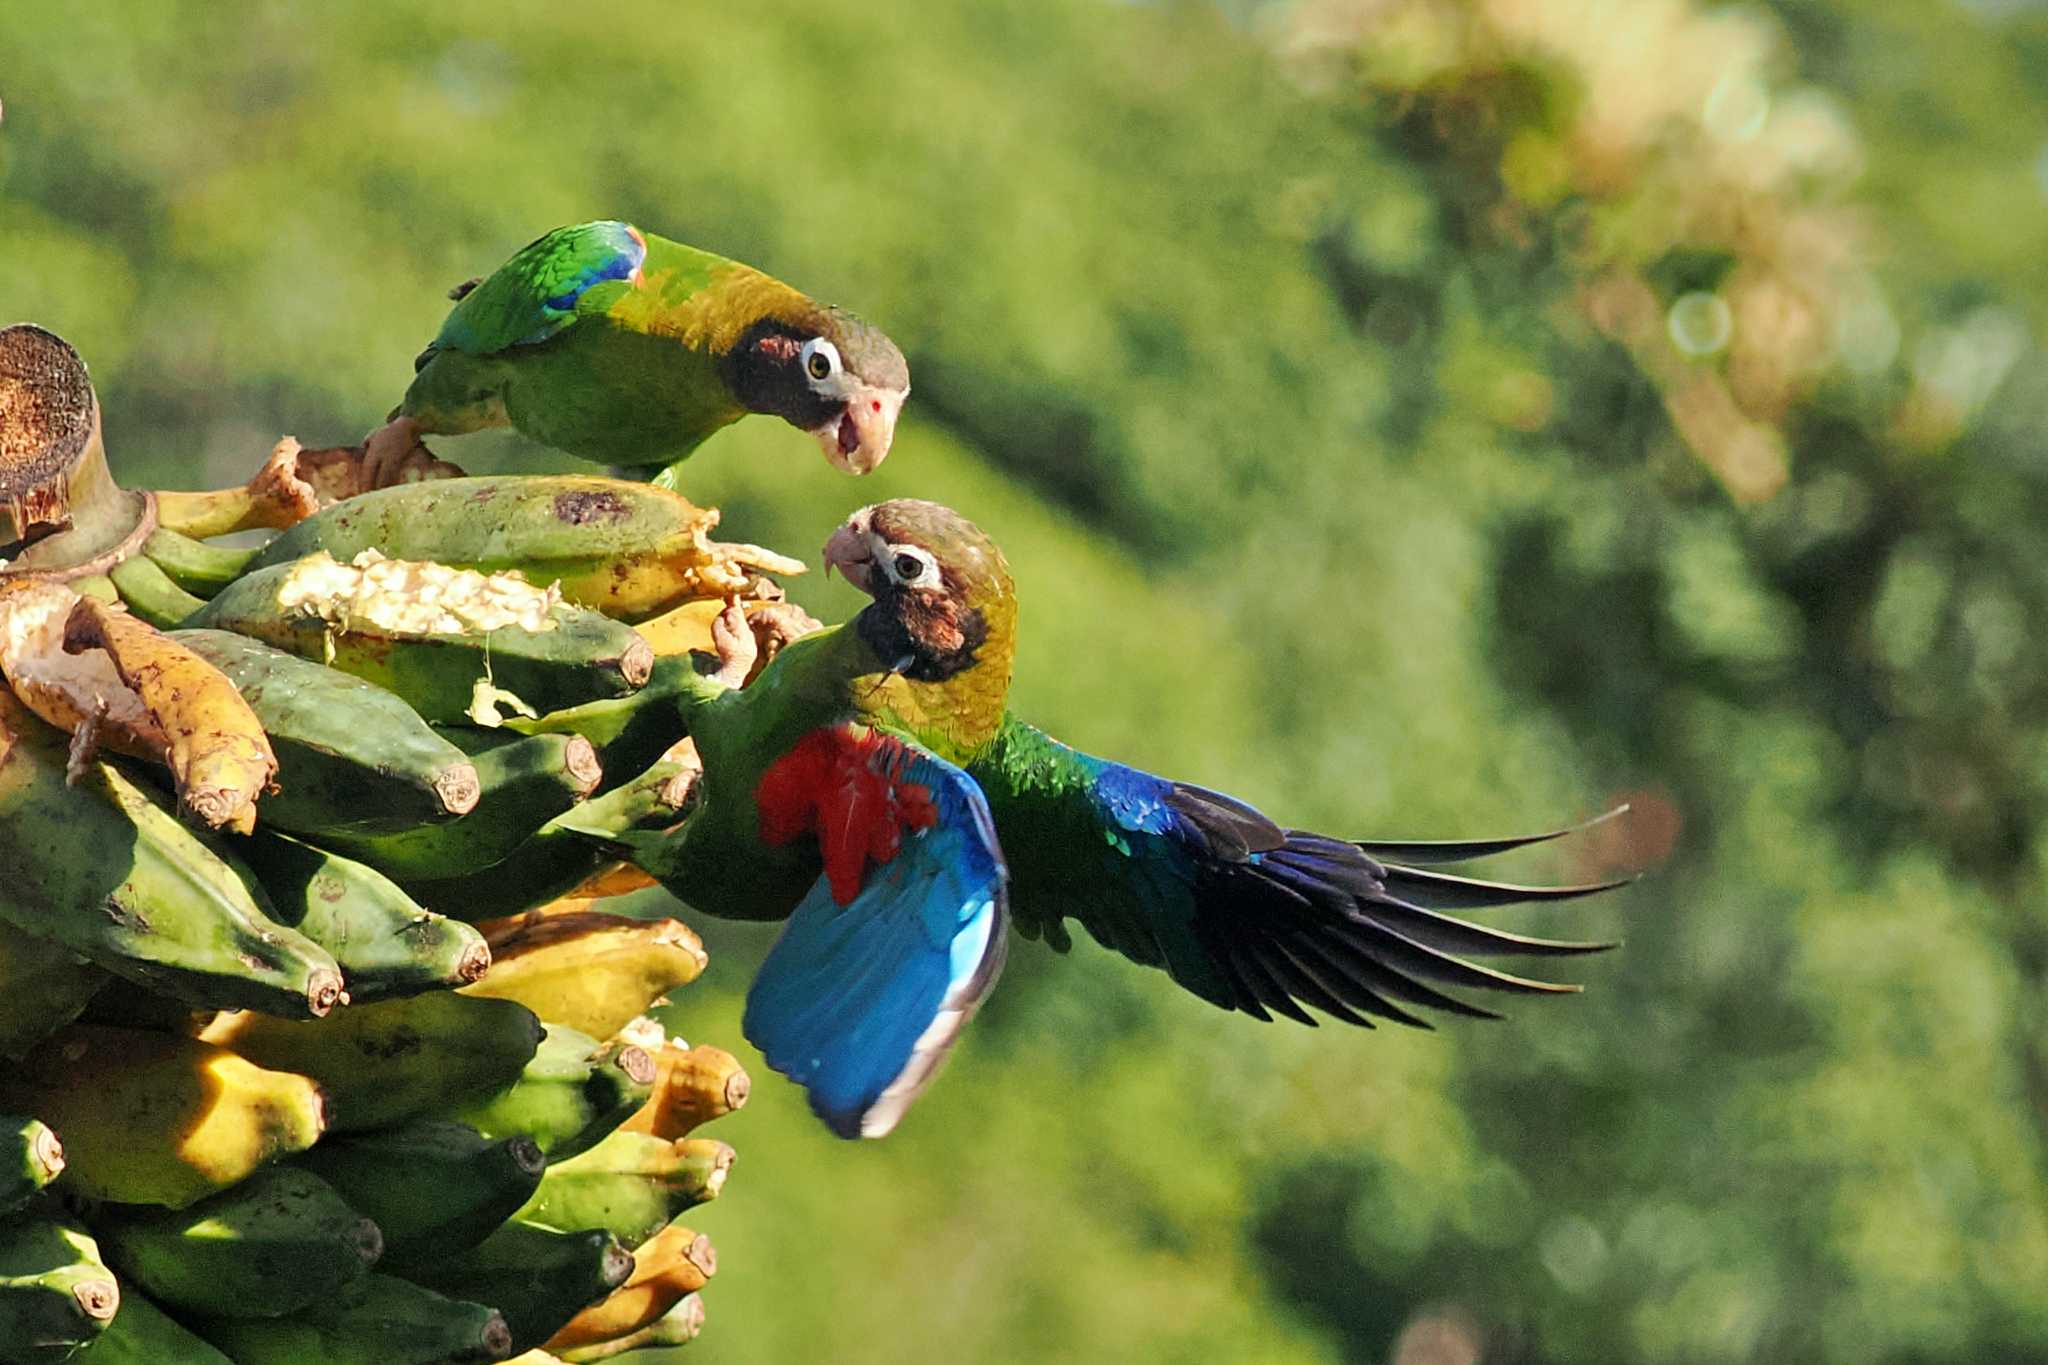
[(56, 1294)]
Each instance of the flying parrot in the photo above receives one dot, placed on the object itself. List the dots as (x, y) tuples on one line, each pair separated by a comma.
[(871, 788), (623, 347)]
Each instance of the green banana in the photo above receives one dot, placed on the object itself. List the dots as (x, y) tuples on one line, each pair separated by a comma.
[(43, 987), (105, 867), (373, 1320), (627, 549), (148, 591), (141, 1334), (453, 644), (195, 565), (572, 1092), (395, 1060), (273, 1244), (55, 1292), (555, 859), (155, 1118), (538, 1277), (30, 1158), (434, 1187), (350, 755), (526, 781), (629, 732), (387, 945), (631, 1184)]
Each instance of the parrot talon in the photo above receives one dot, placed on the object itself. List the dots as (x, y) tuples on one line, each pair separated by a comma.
[(734, 639), (385, 451)]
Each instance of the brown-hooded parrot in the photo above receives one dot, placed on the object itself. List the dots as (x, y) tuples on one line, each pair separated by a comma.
[(623, 347), (871, 787)]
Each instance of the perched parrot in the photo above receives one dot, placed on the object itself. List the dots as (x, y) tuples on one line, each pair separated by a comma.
[(623, 347), (881, 752)]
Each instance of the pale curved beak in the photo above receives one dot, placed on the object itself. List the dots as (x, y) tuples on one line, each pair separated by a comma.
[(849, 551), (857, 438)]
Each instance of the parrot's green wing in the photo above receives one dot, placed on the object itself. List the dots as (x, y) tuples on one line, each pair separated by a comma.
[(535, 294)]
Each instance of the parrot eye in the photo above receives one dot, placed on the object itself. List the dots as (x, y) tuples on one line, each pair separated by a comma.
[(820, 358), (910, 568)]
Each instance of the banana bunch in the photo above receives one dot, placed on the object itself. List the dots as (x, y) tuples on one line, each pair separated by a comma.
[(450, 1175), (317, 1043)]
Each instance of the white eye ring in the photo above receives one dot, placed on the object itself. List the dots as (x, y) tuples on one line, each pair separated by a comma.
[(820, 359), (927, 572)]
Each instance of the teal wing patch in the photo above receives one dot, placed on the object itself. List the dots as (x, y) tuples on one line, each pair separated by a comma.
[(534, 295)]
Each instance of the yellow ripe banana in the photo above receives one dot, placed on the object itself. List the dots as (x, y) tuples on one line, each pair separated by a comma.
[(217, 751), (692, 1086), (680, 1326), (674, 1262), (593, 972), (279, 496), (154, 1118)]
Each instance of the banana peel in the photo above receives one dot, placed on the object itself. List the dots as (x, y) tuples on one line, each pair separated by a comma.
[(215, 747)]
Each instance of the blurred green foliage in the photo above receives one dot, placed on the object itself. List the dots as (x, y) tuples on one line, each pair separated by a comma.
[(1421, 417)]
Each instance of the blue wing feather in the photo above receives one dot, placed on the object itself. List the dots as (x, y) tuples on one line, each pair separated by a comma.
[(534, 295), (858, 1003)]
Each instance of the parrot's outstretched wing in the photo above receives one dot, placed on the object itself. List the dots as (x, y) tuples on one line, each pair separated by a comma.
[(1242, 912), (534, 295), (896, 945)]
